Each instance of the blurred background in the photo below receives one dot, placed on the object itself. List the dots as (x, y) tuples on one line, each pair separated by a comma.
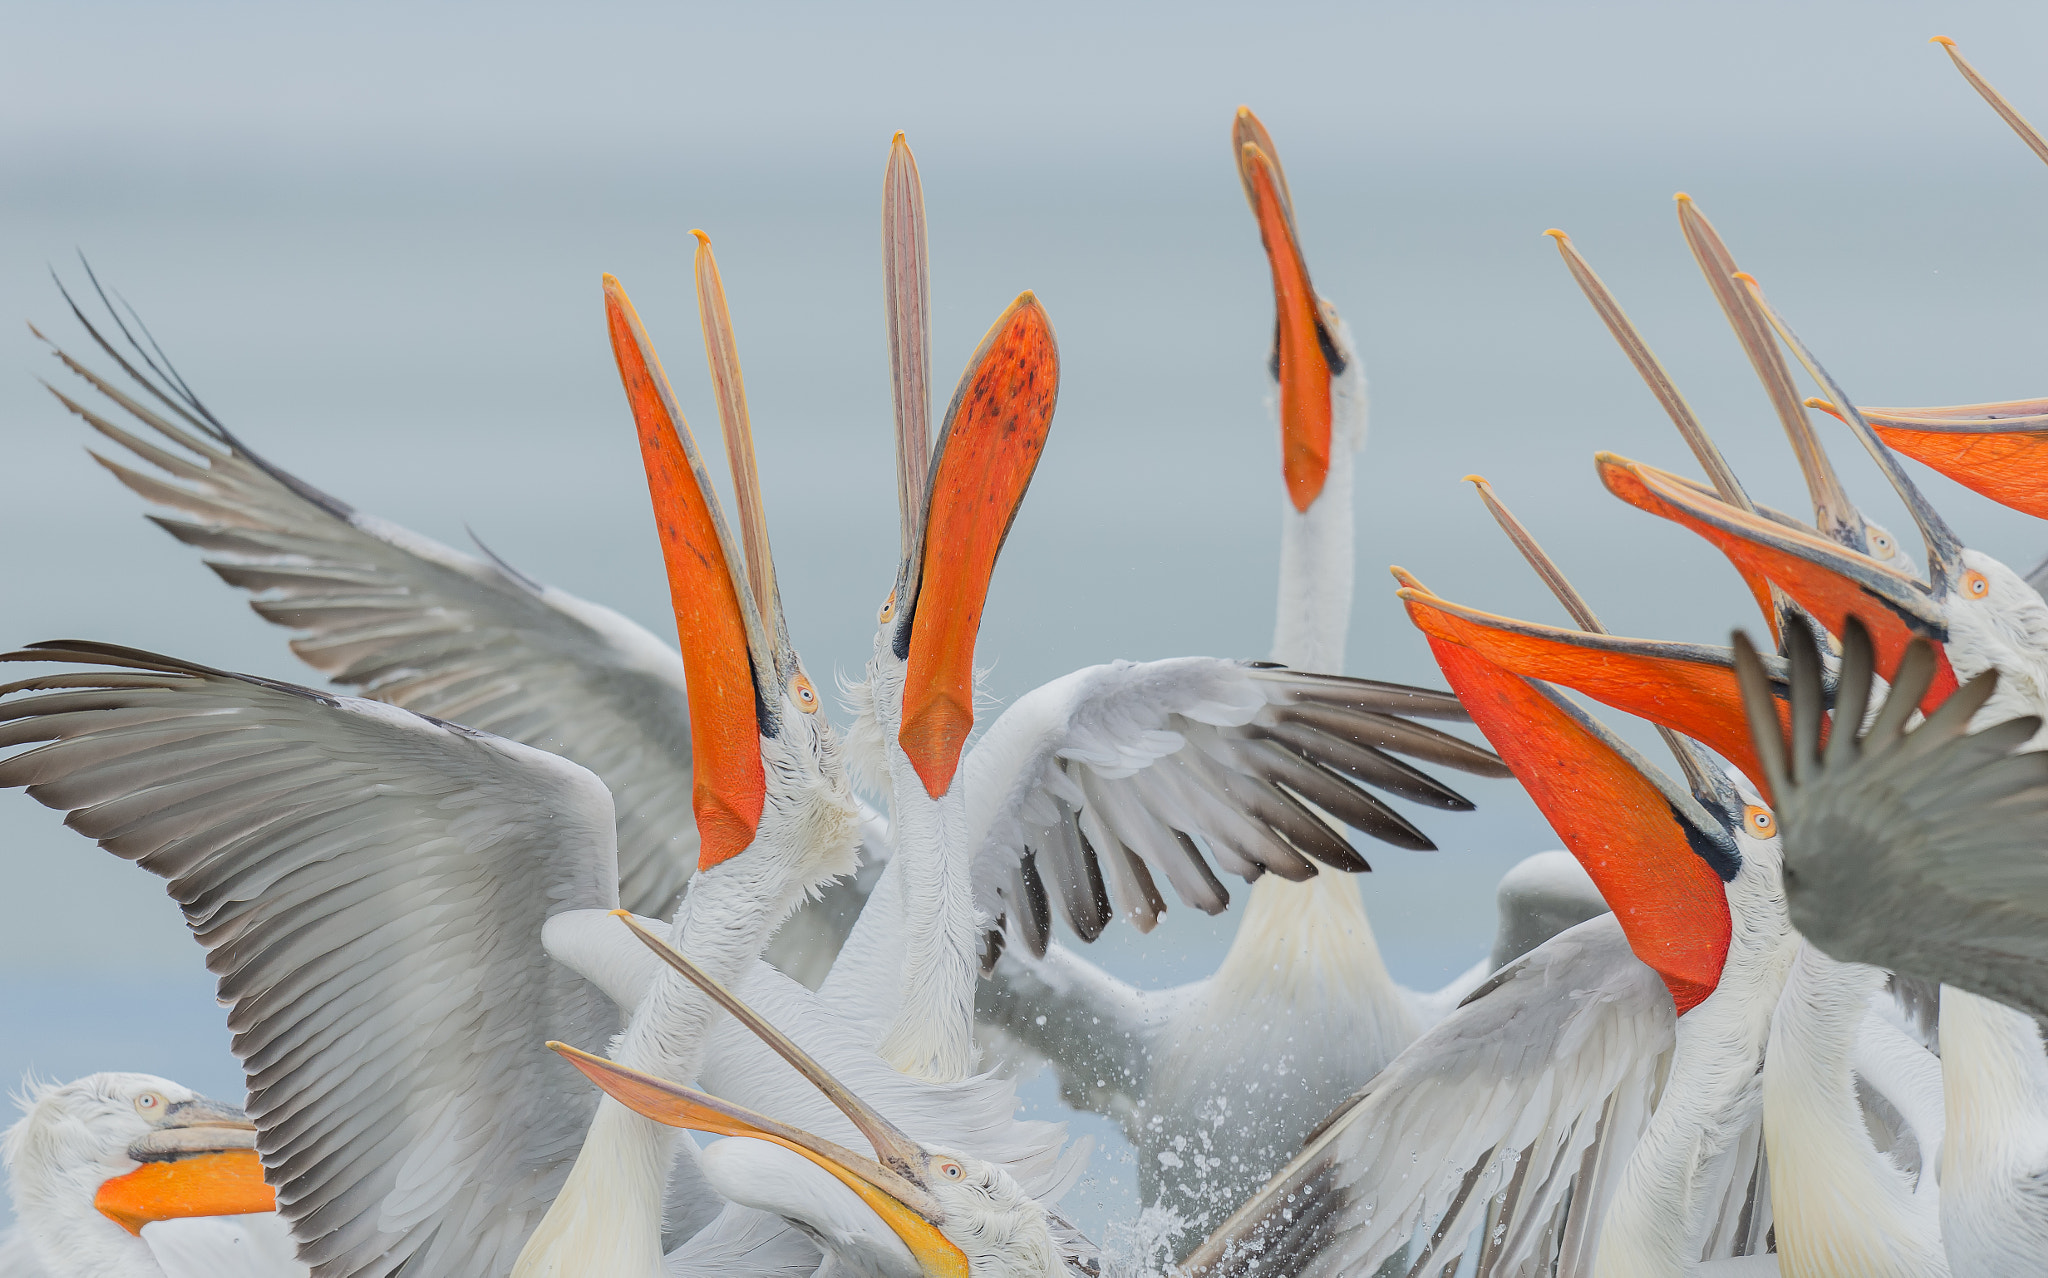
[(370, 236)]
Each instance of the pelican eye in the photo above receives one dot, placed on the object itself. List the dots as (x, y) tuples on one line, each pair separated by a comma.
[(951, 1170), (1881, 545), (151, 1104), (1975, 585), (888, 609), (1759, 822), (805, 696)]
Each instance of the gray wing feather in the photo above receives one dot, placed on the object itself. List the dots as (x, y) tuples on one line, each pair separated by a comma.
[(411, 622), (1921, 851), (1530, 1094), (1118, 772), (370, 887)]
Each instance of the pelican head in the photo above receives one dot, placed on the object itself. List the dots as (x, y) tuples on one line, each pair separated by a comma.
[(766, 762), (1980, 613), (1318, 382), (922, 672), (956, 499), (93, 1162), (954, 1214)]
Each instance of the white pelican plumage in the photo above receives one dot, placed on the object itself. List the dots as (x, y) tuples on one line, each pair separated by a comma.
[(1840, 1203), (135, 1176), (1995, 1073), (956, 1215), (407, 620), (1531, 1106), (411, 622), (376, 889), (1303, 972)]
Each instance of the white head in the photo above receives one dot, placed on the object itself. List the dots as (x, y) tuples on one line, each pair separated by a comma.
[(91, 1162), (980, 1209), (1996, 621)]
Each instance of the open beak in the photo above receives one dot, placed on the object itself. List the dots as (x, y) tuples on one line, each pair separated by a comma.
[(987, 451), (1944, 548), (200, 1161), (1651, 370), (891, 1183), (1829, 580), (1999, 450), (908, 1210), (1303, 354), (1688, 688), (731, 647), (1834, 514), (1638, 836)]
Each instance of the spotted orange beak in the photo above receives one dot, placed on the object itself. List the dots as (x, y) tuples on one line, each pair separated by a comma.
[(200, 1162), (988, 449), (1303, 354)]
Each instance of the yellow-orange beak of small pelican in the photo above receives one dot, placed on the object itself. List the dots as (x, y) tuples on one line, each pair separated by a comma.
[(906, 1208)]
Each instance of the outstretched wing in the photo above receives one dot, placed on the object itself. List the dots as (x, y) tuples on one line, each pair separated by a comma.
[(1922, 851), (409, 621), (370, 888), (1088, 786), (1517, 1111)]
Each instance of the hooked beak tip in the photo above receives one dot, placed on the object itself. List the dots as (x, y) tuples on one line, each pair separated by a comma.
[(1943, 41)]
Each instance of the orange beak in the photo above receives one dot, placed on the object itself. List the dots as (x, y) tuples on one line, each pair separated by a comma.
[(988, 450), (722, 638), (1828, 580), (891, 1183), (1689, 688), (201, 1161), (905, 1207), (1625, 824), (1999, 450), (1302, 351), (229, 1183)]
